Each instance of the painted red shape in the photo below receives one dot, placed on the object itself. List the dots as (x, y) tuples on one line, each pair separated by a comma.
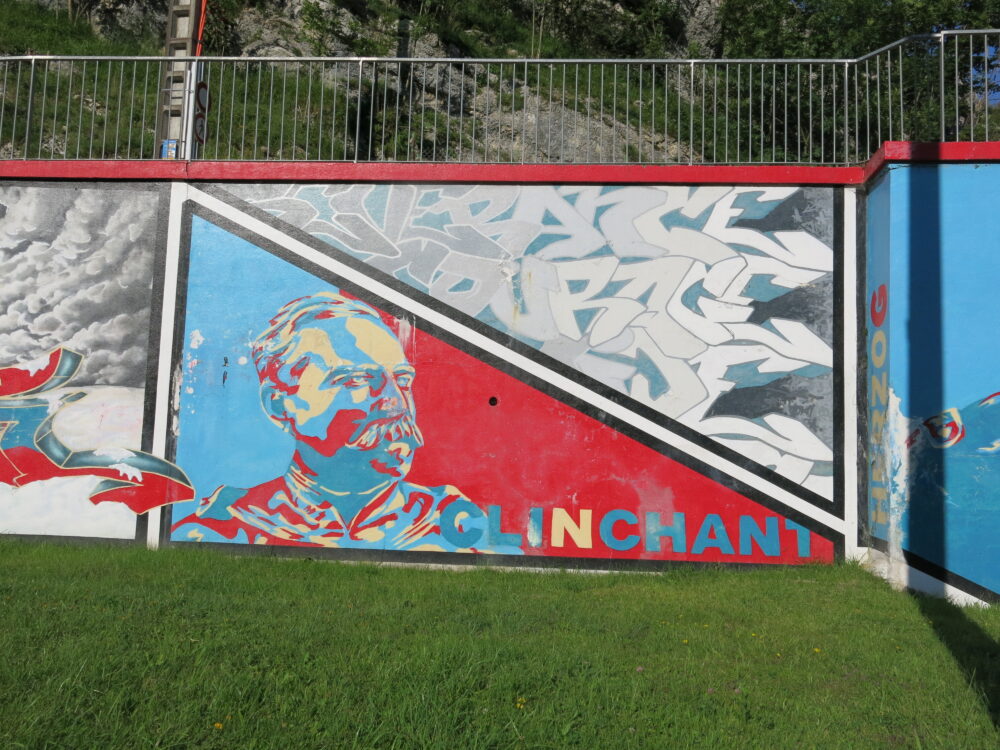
[(946, 429), (22, 465), (341, 428), (19, 380), (879, 307)]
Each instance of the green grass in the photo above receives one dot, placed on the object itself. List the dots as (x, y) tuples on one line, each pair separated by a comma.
[(74, 110), (28, 29), (120, 647)]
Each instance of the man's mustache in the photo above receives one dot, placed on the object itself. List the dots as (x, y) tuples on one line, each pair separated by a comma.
[(394, 428)]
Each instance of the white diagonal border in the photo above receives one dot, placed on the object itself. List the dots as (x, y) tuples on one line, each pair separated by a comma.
[(178, 192)]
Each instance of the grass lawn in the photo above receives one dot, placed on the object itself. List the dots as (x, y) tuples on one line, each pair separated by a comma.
[(108, 647), (28, 29)]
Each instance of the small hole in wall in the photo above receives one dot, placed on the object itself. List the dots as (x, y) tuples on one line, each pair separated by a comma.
[(494, 401)]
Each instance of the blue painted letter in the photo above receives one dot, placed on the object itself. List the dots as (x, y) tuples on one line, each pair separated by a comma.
[(608, 526), (675, 531), (769, 541), (712, 534)]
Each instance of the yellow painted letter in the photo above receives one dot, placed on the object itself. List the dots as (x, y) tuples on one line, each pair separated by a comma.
[(563, 523)]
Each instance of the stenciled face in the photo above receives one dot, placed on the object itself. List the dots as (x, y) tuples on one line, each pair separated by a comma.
[(350, 399)]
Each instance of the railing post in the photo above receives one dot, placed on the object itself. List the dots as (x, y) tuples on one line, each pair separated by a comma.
[(357, 124), (941, 46), (690, 118), (27, 114), (847, 115), (902, 107)]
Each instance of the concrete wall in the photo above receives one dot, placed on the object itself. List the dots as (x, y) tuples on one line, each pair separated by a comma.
[(933, 409), (591, 373), (411, 371)]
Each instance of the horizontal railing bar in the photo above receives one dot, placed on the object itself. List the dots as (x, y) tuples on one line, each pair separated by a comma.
[(898, 43), (455, 60), (445, 60), (960, 32)]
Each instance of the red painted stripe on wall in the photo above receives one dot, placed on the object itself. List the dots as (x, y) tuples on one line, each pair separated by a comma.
[(600, 174), (71, 169), (929, 153), (218, 171)]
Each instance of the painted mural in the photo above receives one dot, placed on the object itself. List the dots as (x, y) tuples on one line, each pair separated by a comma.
[(311, 412), (76, 264), (714, 306), (934, 410), (410, 372)]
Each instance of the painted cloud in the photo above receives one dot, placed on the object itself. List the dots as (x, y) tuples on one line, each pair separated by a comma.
[(76, 266)]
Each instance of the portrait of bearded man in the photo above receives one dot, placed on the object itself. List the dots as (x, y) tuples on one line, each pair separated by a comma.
[(335, 376)]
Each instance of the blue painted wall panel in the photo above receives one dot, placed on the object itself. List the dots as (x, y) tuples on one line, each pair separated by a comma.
[(942, 422)]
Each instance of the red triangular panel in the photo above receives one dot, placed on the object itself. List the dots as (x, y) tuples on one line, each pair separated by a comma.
[(530, 450)]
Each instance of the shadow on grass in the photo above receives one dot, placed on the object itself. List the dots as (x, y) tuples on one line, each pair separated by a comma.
[(975, 651)]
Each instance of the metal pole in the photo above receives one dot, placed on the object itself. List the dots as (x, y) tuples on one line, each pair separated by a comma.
[(27, 119), (847, 117), (941, 81), (357, 119)]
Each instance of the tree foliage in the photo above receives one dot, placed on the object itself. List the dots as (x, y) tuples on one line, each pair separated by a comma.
[(620, 28), (840, 28)]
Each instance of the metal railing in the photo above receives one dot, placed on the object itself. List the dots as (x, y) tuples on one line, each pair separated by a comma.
[(932, 87)]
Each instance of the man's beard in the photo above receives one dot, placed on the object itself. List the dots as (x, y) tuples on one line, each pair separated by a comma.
[(393, 429)]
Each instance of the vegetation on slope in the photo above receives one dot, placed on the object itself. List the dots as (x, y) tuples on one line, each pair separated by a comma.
[(473, 28), (840, 28), (517, 28), (26, 28), (617, 29)]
